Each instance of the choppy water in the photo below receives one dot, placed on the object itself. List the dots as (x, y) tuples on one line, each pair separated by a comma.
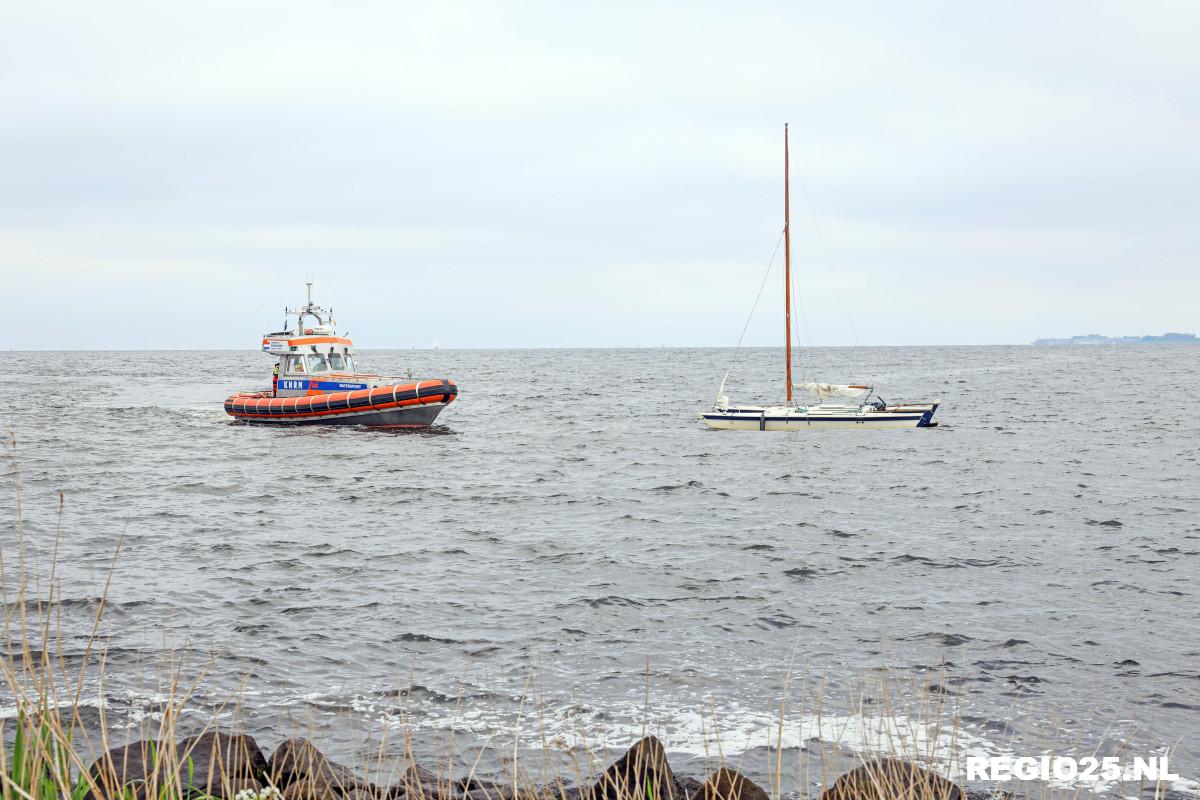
[(570, 520)]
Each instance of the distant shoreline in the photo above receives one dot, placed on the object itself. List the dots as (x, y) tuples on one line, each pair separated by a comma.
[(1095, 338)]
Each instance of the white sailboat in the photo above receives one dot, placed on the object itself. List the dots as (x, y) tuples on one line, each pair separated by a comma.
[(869, 412)]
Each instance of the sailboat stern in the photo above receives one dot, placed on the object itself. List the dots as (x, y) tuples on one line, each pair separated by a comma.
[(927, 417), (924, 412)]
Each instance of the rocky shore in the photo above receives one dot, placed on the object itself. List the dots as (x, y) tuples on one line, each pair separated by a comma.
[(231, 766)]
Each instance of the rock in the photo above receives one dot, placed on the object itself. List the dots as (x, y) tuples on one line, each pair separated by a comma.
[(480, 789), (491, 792), (691, 787), (420, 774), (473, 784), (729, 784), (641, 774), (221, 764), (308, 789), (363, 794), (298, 761), (214, 763), (122, 767), (417, 783), (891, 779)]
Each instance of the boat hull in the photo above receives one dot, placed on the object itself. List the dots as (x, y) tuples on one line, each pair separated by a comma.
[(413, 405), (757, 418)]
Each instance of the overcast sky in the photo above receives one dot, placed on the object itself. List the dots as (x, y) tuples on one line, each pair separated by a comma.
[(565, 174)]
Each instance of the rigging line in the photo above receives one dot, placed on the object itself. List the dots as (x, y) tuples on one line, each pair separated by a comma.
[(800, 324), (837, 281), (753, 308), (806, 342)]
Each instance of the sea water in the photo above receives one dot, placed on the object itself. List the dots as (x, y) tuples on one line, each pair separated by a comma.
[(570, 558)]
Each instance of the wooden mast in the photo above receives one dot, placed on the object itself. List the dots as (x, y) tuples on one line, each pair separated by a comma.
[(787, 263)]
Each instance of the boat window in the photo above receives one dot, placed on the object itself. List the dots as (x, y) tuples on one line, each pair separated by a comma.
[(316, 363), (349, 360), (297, 364), (335, 361)]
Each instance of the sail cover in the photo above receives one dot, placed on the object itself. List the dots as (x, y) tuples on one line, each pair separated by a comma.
[(824, 390)]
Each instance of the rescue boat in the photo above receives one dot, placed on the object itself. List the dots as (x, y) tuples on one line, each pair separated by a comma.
[(317, 381)]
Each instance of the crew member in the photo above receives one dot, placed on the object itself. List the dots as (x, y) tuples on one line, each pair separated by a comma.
[(275, 380)]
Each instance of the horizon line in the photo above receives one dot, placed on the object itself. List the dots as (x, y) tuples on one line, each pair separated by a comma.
[(522, 347)]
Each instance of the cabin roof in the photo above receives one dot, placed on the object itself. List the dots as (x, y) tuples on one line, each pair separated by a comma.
[(289, 343)]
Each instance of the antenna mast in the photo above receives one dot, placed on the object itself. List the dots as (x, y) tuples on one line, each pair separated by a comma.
[(309, 310)]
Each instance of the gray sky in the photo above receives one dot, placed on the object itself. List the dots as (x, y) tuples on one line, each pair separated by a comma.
[(563, 174)]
